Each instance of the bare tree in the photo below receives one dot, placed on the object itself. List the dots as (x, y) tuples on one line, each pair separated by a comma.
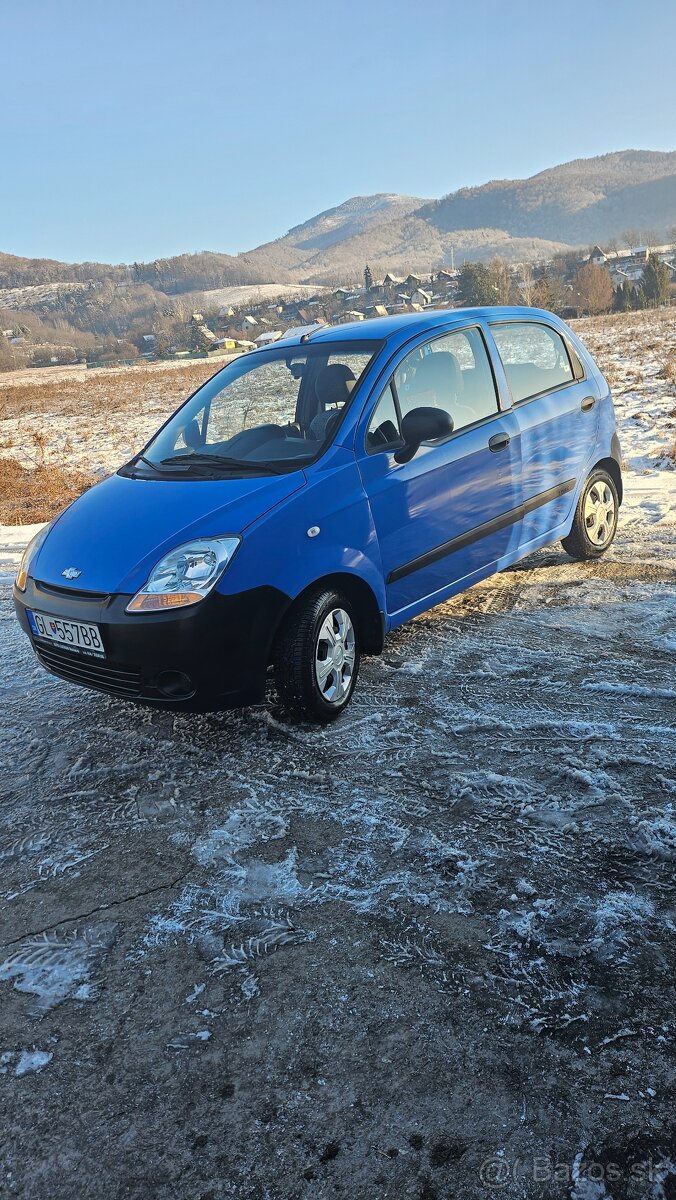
[(594, 288), (528, 283), (501, 280)]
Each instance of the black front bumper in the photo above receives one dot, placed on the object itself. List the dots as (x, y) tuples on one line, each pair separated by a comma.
[(210, 656)]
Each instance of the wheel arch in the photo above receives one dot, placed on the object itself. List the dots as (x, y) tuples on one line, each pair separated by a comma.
[(612, 467), (369, 616)]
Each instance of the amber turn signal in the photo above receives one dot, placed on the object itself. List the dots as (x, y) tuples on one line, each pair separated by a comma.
[(160, 601)]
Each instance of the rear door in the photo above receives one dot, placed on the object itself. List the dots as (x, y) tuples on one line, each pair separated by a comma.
[(557, 413), (443, 515)]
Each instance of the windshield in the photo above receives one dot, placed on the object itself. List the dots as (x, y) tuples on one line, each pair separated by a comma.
[(267, 412)]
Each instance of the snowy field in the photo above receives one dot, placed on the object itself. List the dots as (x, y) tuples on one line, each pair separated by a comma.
[(426, 952), (95, 420), (47, 294)]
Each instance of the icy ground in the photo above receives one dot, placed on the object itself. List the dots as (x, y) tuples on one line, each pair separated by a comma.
[(427, 952)]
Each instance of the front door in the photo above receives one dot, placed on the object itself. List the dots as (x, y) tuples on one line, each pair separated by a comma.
[(448, 513)]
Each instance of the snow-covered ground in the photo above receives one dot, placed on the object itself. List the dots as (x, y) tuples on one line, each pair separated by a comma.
[(426, 952), (637, 353), (47, 294)]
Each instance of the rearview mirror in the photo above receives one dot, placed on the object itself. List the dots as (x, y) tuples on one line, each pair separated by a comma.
[(422, 425)]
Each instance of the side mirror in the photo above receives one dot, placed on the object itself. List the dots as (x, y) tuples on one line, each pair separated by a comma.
[(422, 425)]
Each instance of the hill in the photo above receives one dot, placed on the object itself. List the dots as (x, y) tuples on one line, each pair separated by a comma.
[(94, 308), (577, 203)]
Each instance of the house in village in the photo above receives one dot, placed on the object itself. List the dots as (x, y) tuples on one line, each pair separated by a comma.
[(270, 335), (627, 265), (597, 257), (243, 327), (421, 297), (204, 335), (298, 330)]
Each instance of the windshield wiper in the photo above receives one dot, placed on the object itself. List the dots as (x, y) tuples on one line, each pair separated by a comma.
[(142, 458), (220, 460)]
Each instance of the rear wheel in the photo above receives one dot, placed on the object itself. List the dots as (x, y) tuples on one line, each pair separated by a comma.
[(316, 656), (595, 520)]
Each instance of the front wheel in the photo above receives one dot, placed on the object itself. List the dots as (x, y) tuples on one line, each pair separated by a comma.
[(316, 656), (595, 520)]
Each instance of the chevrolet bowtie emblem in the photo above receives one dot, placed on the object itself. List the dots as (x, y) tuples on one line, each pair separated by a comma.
[(71, 573)]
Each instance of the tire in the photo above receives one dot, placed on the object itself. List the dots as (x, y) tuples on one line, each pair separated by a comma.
[(304, 643), (595, 521)]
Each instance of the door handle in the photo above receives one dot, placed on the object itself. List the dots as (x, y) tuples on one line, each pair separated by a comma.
[(588, 403), (499, 441)]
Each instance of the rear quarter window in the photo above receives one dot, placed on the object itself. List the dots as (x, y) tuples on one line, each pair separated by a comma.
[(535, 358)]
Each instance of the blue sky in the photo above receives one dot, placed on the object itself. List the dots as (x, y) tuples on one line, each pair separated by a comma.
[(134, 130)]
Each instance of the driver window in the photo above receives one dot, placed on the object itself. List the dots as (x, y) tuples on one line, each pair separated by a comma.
[(452, 372)]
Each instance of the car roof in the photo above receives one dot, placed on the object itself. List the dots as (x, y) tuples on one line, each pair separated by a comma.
[(409, 324)]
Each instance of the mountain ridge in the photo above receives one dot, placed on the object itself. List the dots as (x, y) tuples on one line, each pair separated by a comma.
[(561, 207), (577, 203)]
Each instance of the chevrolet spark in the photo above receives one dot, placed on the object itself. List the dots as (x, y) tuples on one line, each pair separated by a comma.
[(314, 495)]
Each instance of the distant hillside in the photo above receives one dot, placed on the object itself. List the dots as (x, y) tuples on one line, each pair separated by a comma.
[(182, 273), (588, 200), (578, 203), (319, 243), (91, 309)]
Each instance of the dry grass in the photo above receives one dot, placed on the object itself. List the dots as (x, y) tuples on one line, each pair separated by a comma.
[(652, 318), (104, 391), (669, 370), (35, 494)]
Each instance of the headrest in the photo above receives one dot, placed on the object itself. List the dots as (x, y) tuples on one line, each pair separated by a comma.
[(439, 372), (334, 384)]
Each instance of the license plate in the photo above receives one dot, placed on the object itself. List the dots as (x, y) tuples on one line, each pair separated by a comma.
[(72, 635)]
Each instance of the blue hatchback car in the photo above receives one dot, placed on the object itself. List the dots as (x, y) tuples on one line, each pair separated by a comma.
[(314, 495)]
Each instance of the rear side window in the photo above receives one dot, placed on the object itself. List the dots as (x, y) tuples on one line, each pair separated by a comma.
[(535, 358)]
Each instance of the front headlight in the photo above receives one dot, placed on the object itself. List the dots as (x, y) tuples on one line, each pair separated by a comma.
[(29, 555), (186, 575)]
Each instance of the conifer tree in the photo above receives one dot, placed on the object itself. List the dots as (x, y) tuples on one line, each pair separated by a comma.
[(655, 281)]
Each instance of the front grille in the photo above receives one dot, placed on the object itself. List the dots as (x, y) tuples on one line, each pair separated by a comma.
[(72, 593), (109, 677)]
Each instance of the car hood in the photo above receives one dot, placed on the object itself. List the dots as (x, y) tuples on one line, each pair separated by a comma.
[(116, 532)]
